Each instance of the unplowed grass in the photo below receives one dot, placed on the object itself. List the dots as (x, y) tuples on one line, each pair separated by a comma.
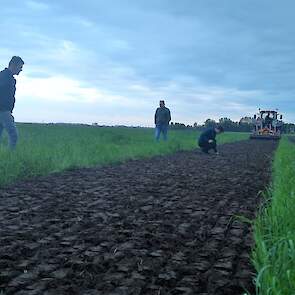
[(43, 149), (274, 254)]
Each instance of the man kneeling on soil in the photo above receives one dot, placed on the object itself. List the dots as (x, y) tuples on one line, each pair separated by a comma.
[(207, 139)]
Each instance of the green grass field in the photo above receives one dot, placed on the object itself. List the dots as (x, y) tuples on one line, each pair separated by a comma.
[(50, 148), (274, 229)]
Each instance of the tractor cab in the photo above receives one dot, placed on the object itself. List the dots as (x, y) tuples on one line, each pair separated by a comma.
[(267, 125)]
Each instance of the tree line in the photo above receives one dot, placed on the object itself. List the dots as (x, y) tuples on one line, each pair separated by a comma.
[(244, 125)]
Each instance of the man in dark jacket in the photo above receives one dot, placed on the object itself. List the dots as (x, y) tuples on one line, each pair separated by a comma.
[(162, 119), (207, 139), (7, 98)]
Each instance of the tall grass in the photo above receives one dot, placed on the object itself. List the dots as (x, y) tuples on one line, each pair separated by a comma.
[(49, 148), (274, 229)]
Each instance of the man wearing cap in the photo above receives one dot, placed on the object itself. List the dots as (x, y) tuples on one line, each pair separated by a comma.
[(162, 119), (7, 98)]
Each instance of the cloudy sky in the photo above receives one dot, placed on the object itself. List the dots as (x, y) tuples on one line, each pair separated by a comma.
[(111, 61)]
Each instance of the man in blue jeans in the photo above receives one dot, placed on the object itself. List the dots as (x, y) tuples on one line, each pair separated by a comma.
[(7, 98), (162, 119)]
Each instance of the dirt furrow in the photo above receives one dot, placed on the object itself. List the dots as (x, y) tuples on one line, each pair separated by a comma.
[(166, 225)]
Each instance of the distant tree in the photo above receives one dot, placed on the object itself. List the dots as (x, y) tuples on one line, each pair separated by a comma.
[(178, 126), (246, 120), (245, 124), (288, 128), (228, 124), (209, 123)]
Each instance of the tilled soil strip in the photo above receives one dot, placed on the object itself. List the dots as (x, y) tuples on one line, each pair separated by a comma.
[(165, 225)]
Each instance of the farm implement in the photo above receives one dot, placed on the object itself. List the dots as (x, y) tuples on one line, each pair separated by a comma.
[(267, 125)]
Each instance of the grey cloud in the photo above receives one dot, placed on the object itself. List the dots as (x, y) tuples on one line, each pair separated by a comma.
[(229, 44)]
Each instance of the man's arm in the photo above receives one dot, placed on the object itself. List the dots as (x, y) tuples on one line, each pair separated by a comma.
[(169, 116), (209, 136), (206, 136), (3, 81), (156, 113)]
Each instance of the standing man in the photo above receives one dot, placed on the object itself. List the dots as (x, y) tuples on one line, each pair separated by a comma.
[(7, 98), (207, 139), (162, 119)]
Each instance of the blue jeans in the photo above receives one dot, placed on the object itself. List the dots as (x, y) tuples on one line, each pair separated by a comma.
[(7, 123), (161, 129)]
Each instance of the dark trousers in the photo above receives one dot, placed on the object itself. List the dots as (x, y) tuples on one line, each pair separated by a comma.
[(206, 146)]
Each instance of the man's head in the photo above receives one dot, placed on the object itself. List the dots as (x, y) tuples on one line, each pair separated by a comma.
[(219, 129), (16, 65), (162, 103)]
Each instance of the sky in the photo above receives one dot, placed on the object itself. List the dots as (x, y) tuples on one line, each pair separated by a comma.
[(111, 61)]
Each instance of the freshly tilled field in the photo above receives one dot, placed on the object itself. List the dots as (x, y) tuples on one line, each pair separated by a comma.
[(166, 225)]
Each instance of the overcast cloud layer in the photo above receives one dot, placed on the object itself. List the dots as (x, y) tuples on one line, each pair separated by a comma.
[(111, 61)]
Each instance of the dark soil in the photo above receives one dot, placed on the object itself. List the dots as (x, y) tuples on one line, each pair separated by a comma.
[(165, 225)]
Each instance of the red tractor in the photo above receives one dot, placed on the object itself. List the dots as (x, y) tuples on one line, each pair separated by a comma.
[(267, 125)]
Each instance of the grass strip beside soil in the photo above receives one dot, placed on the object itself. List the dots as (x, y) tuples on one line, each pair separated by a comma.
[(43, 149), (274, 229)]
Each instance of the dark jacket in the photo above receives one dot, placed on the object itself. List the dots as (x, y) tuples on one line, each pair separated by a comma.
[(207, 135), (7, 90), (162, 116)]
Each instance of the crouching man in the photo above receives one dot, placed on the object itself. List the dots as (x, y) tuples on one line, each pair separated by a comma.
[(207, 139)]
